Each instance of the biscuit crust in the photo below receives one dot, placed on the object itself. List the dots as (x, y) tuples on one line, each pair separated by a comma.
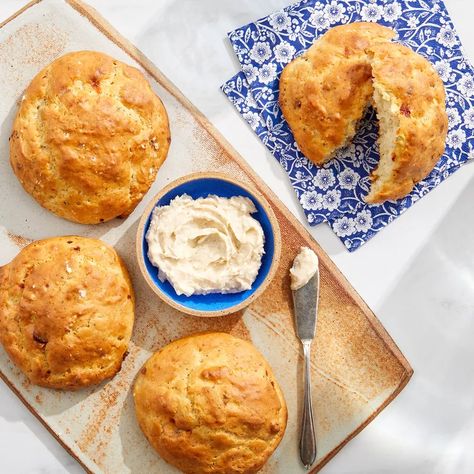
[(325, 91), (209, 403), (89, 137), (66, 311)]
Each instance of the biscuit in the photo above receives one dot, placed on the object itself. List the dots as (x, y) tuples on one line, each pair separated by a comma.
[(66, 311), (209, 403), (89, 137), (409, 99), (324, 93)]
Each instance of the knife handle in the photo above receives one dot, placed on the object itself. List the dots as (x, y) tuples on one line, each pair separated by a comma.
[(308, 438)]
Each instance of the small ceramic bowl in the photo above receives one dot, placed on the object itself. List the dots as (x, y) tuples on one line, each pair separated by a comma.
[(212, 304)]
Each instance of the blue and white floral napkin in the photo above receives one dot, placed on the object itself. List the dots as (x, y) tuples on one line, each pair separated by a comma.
[(334, 193)]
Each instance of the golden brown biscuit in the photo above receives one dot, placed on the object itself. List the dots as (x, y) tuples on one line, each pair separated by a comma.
[(66, 311), (210, 404), (89, 137), (325, 91), (409, 99)]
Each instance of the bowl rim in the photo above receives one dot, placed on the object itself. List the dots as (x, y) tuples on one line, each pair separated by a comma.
[(257, 195)]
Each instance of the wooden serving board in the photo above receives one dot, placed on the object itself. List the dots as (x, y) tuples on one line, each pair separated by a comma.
[(357, 368)]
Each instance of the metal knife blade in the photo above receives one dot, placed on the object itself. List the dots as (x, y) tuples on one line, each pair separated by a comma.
[(305, 302)]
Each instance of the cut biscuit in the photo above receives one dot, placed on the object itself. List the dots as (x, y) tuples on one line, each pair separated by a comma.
[(324, 93), (409, 99)]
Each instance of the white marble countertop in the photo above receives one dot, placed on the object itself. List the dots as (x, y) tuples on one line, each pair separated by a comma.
[(417, 275)]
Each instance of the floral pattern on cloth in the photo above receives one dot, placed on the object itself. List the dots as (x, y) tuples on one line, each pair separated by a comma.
[(335, 192)]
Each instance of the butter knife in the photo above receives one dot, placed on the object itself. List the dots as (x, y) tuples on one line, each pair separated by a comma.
[(305, 301)]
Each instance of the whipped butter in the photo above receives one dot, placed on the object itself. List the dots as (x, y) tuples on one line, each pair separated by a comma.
[(304, 267), (206, 245)]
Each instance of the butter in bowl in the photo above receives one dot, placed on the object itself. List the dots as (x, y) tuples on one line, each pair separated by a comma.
[(208, 245)]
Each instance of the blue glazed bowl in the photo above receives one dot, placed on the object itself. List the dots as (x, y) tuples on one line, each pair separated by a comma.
[(213, 304)]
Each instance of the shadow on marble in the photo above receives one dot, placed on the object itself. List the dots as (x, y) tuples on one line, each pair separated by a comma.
[(439, 342)]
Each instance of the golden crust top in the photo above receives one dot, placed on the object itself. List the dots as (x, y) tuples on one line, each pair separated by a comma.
[(209, 403), (417, 93), (89, 137), (325, 91), (66, 311)]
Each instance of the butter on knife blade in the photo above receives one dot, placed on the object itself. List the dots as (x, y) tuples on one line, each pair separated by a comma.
[(304, 267), (305, 285)]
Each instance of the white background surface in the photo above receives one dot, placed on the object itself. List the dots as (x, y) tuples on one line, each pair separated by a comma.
[(417, 275)]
